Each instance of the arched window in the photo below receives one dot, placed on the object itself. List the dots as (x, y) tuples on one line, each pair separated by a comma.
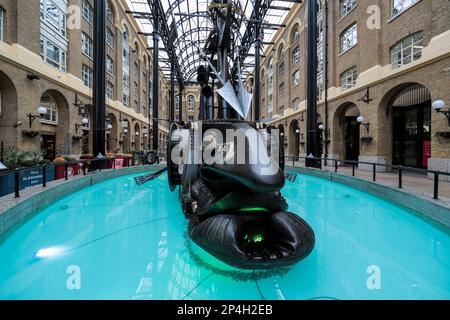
[(191, 103), (295, 34), (281, 89), (49, 103), (125, 68)]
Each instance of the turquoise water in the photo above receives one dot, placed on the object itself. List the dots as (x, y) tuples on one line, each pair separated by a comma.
[(116, 240)]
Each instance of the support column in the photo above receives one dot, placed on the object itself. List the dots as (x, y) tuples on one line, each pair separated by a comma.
[(99, 75), (257, 82), (155, 83), (311, 121), (172, 92)]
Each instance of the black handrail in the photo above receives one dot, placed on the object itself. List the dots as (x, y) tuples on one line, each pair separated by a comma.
[(436, 174), (84, 163)]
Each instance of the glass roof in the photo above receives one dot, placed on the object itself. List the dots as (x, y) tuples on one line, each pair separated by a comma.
[(194, 25)]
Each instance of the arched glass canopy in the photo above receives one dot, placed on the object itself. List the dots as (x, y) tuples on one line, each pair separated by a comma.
[(193, 25)]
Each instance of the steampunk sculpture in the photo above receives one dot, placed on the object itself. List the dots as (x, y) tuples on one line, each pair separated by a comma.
[(229, 171)]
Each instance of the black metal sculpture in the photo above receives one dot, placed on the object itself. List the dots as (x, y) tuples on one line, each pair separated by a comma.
[(229, 194)]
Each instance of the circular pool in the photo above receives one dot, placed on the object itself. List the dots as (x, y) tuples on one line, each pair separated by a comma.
[(116, 240)]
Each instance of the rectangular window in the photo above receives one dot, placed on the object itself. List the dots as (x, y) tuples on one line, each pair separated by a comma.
[(87, 12), (347, 6), (282, 69), (296, 55), (86, 75), (52, 54), (110, 38), (53, 16), (407, 50), (87, 46), (2, 24), (296, 78), (109, 90), (296, 104), (348, 78), (398, 6), (110, 66), (281, 90), (282, 111), (349, 38)]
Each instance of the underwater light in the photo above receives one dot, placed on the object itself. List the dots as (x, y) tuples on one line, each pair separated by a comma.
[(47, 252)]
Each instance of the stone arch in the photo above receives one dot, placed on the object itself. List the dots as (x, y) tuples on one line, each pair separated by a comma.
[(346, 131), (112, 135), (294, 138), (126, 135), (58, 127), (415, 98), (8, 111)]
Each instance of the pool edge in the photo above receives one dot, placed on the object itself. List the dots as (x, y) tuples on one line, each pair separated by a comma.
[(23, 209), (430, 211)]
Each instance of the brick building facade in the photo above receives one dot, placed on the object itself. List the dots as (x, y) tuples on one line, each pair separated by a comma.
[(46, 52), (386, 61)]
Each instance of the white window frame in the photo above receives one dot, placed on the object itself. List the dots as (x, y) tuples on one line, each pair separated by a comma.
[(87, 12), (52, 110), (110, 66), (348, 78), (296, 78), (399, 6), (349, 38), (2, 24), (87, 76), (62, 54), (296, 104), (296, 55), (109, 90), (347, 6), (191, 103), (281, 89), (399, 52), (87, 45)]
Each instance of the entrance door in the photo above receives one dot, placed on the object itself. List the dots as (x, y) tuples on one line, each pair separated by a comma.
[(48, 147), (351, 139), (412, 135)]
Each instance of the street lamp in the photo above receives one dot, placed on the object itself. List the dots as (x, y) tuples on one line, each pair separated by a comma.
[(438, 105), (360, 120), (321, 127), (41, 110)]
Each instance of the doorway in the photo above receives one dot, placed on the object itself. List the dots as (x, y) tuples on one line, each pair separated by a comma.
[(412, 135), (48, 146), (351, 137)]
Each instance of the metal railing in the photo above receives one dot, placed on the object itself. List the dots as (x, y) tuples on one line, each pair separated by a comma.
[(64, 171), (354, 164)]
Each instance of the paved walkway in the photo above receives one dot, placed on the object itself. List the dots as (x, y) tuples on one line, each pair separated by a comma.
[(415, 183)]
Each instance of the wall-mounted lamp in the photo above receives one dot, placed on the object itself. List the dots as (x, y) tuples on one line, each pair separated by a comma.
[(360, 120), (84, 122), (41, 110), (438, 105), (297, 131), (137, 133), (109, 126)]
